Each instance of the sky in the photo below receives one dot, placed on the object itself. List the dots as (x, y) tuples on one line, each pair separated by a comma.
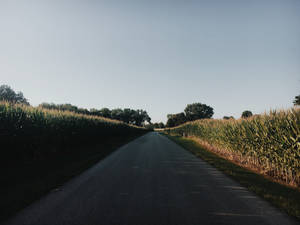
[(157, 55)]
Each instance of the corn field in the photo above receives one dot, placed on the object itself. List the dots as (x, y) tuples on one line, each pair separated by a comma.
[(31, 132), (269, 143)]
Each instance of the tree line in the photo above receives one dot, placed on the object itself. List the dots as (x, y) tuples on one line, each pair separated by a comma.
[(197, 111), (131, 116), (137, 117)]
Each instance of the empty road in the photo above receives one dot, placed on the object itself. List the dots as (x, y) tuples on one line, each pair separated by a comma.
[(151, 181)]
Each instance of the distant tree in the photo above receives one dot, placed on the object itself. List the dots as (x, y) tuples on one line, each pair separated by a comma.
[(247, 114), (128, 116), (140, 117), (161, 125), (135, 117), (116, 114), (83, 111), (9, 95), (228, 117), (176, 119), (170, 121), (155, 125), (68, 107), (63, 107), (105, 112), (150, 126), (297, 100), (94, 112), (147, 117), (197, 111)]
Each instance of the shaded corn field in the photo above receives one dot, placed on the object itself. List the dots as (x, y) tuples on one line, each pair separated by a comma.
[(269, 143), (29, 133)]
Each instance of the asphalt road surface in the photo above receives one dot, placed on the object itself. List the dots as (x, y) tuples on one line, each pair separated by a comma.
[(151, 181)]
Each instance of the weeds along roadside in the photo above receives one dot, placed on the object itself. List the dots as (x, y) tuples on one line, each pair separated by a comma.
[(268, 143), (284, 197)]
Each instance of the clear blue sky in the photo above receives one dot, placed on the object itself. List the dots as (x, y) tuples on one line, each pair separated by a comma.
[(156, 55)]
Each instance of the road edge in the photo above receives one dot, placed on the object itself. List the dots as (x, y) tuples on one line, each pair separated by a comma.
[(286, 199)]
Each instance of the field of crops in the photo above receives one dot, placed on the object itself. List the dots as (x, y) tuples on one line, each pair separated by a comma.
[(268, 143), (28, 133)]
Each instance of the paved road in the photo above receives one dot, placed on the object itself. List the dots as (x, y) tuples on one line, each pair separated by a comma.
[(151, 181)]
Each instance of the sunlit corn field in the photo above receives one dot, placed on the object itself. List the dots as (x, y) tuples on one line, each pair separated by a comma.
[(269, 143), (29, 132)]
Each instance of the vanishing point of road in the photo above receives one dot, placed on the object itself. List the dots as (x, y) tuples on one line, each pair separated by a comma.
[(151, 181)]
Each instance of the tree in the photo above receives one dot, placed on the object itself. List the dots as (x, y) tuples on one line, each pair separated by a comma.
[(94, 112), (116, 114), (83, 111), (176, 119), (140, 117), (128, 116), (150, 126), (297, 100), (68, 107), (170, 121), (161, 125), (228, 117), (105, 112), (9, 95), (197, 111), (158, 125), (246, 114)]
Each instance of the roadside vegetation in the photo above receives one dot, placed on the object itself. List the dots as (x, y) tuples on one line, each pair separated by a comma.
[(43, 148), (32, 133), (262, 152), (268, 144), (137, 117), (286, 198)]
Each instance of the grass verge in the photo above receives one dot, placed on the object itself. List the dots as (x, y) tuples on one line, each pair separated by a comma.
[(283, 197), (24, 183)]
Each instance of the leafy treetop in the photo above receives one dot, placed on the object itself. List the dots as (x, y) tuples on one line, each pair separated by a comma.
[(9, 95), (297, 100), (246, 114)]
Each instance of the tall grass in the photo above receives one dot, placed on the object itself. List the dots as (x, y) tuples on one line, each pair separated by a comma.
[(28, 132), (268, 143)]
